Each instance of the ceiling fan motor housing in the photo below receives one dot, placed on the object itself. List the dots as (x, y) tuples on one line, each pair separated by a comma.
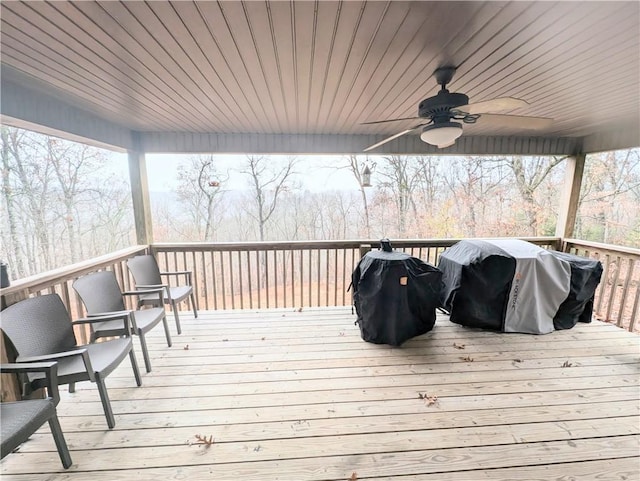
[(441, 104)]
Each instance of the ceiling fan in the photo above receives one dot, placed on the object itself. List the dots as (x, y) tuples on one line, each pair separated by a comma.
[(438, 115)]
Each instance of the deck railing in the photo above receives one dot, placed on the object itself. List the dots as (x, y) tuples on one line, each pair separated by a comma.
[(293, 274), (59, 281), (617, 298), (300, 274)]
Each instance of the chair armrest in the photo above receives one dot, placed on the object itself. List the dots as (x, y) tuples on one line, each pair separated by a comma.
[(151, 286), (176, 273), (108, 316), (51, 357), (112, 316), (50, 370), (160, 291), (187, 274), (144, 291), (82, 352)]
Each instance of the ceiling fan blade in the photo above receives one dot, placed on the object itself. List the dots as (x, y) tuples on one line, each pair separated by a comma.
[(516, 121), (389, 139), (444, 146), (494, 105), (389, 120)]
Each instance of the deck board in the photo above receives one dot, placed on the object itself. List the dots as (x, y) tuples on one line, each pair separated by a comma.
[(294, 395)]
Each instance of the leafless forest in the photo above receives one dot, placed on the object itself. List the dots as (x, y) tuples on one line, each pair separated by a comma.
[(60, 204)]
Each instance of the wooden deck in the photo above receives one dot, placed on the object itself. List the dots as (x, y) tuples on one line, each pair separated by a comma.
[(297, 396)]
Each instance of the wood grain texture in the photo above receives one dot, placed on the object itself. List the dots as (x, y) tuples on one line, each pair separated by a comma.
[(301, 406)]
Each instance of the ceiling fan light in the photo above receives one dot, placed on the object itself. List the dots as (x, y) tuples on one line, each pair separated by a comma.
[(441, 134)]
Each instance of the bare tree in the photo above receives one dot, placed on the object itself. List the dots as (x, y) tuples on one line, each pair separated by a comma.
[(401, 178), (200, 188), (608, 198), (267, 181), (471, 181), (15, 261), (357, 168), (529, 174)]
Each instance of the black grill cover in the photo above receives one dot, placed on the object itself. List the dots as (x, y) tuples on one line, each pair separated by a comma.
[(395, 296), (476, 280), (585, 277)]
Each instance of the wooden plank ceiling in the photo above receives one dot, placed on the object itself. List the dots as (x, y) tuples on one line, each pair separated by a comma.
[(324, 67)]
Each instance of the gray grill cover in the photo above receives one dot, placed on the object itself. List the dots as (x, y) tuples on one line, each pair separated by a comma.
[(515, 286)]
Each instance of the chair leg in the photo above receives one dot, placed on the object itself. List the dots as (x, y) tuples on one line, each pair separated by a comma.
[(72, 387), (193, 305), (166, 331), (145, 352), (61, 443), (106, 404), (176, 315), (134, 365)]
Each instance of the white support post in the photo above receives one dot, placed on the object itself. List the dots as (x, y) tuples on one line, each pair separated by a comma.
[(568, 209)]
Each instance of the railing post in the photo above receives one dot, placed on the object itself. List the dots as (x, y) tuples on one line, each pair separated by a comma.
[(140, 194), (568, 209), (364, 248)]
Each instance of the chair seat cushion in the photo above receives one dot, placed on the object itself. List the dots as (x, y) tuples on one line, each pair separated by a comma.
[(21, 419)]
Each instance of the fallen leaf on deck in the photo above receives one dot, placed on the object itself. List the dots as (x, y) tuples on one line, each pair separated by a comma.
[(299, 309), (203, 440), (263, 338), (431, 400), (517, 360), (566, 364), (353, 477), (458, 346), (186, 348), (467, 359)]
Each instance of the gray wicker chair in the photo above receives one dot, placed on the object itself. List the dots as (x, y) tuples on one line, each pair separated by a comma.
[(147, 275), (41, 330), (20, 419), (101, 296)]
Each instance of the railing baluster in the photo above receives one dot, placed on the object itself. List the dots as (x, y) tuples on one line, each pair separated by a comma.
[(318, 254), (635, 311), (266, 277), (275, 277), (259, 276), (625, 289), (240, 279), (213, 280), (344, 275), (614, 288), (223, 284), (293, 277), (310, 277), (284, 278), (231, 280), (249, 276)]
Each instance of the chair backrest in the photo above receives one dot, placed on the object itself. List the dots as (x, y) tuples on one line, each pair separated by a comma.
[(145, 270), (99, 292), (39, 325)]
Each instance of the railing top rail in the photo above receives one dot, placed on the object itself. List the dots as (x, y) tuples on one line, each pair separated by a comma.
[(630, 251), (71, 271), (321, 244)]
